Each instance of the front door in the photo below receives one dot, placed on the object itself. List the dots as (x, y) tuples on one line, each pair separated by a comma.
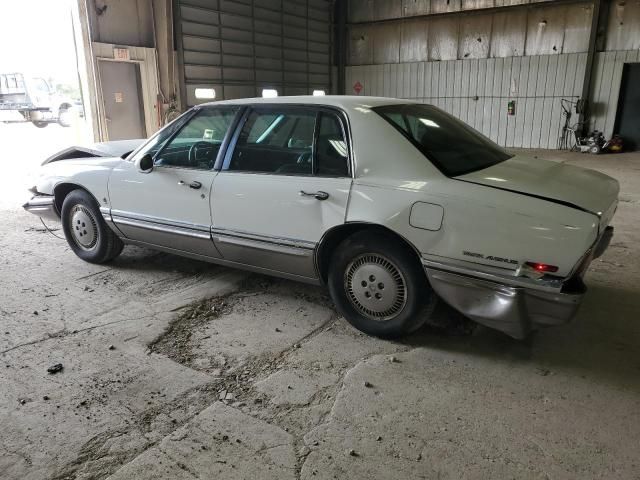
[(121, 95), (169, 206), (285, 181)]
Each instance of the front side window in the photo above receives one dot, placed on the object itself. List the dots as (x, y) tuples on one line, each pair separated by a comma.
[(452, 146), (42, 86), (197, 144), (157, 141), (276, 141)]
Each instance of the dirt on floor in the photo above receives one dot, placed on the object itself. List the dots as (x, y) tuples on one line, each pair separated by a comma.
[(173, 368)]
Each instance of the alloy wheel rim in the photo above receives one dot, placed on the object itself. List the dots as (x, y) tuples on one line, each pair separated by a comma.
[(84, 229), (375, 287)]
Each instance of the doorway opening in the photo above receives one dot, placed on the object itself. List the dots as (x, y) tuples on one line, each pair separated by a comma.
[(628, 115)]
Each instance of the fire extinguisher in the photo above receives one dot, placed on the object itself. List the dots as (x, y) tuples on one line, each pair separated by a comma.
[(511, 107)]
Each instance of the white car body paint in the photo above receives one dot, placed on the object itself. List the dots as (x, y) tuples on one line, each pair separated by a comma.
[(473, 233)]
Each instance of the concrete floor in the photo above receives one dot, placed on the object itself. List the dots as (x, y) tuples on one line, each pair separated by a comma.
[(179, 369)]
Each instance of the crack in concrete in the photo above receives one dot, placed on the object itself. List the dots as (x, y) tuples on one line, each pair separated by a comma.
[(65, 333), (192, 317)]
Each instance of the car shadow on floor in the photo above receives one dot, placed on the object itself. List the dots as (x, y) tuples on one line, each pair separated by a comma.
[(147, 260), (600, 343)]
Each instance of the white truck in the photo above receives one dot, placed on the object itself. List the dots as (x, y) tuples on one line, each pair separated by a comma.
[(34, 99)]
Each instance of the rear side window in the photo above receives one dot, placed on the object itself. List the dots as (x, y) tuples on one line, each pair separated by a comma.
[(291, 140), (277, 142), (451, 145), (332, 157)]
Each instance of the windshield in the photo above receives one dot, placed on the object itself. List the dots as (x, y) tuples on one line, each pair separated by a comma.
[(452, 146)]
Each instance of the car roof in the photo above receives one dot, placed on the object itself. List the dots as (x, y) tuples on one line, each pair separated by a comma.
[(343, 101)]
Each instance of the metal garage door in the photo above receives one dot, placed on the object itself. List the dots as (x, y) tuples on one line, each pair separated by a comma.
[(239, 47)]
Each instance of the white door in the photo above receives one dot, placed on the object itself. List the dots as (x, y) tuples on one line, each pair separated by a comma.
[(121, 98), (169, 206), (285, 181)]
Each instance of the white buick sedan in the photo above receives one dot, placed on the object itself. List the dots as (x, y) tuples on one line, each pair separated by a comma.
[(391, 204)]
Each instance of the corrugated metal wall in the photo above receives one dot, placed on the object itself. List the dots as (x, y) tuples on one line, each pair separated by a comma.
[(535, 55), (478, 90), (240, 47), (372, 10)]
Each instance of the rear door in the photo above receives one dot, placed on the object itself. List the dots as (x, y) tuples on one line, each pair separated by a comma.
[(284, 182)]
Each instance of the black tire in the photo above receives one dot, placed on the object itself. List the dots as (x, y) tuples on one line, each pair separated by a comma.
[(40, 124), (86, 231), (372, 266)]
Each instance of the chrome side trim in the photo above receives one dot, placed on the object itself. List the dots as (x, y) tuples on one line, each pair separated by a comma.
[(158, 220), (263, 245), (106, 214), (226, 263), (491, 274), (226, 235), (176, 230), (43, 206)]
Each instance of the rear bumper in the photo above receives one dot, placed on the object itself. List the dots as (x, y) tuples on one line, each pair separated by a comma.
[(513, 305), (516, 311), (43, 206)]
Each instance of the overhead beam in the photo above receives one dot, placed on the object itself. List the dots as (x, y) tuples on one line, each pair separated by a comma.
[(477, 11)]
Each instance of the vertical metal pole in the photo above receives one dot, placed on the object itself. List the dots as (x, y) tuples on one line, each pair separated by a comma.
[(177, 28), (341, 10), (588, 71)]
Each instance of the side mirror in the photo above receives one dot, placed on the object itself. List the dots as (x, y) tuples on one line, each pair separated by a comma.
[(146, 164)]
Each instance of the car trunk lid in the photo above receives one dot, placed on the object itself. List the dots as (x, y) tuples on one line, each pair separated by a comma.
[(572, 186)]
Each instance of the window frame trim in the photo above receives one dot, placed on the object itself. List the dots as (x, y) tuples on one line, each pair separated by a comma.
[(319, 109)]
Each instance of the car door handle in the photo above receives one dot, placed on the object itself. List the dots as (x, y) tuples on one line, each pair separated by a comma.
[(317, 195), (194, 185)]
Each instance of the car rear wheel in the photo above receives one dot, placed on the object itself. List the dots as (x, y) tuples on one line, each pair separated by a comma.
[(86, 231), (379, 286), (40, 124)]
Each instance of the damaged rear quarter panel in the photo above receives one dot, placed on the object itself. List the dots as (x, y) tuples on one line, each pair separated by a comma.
[(498, 225)]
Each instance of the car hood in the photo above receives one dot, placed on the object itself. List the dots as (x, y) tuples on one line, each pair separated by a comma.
[(116, 148), (565, 184)]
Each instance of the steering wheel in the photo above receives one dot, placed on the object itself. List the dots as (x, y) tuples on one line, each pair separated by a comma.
[(193, 150), (304, 157)]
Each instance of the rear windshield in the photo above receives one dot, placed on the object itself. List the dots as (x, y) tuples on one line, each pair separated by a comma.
[(452, 146)]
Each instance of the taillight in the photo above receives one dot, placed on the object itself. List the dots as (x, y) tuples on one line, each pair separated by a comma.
[(542, 267)]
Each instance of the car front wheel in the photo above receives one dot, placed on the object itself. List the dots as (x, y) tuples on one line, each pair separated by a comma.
[(86, 231), (379, 286)]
